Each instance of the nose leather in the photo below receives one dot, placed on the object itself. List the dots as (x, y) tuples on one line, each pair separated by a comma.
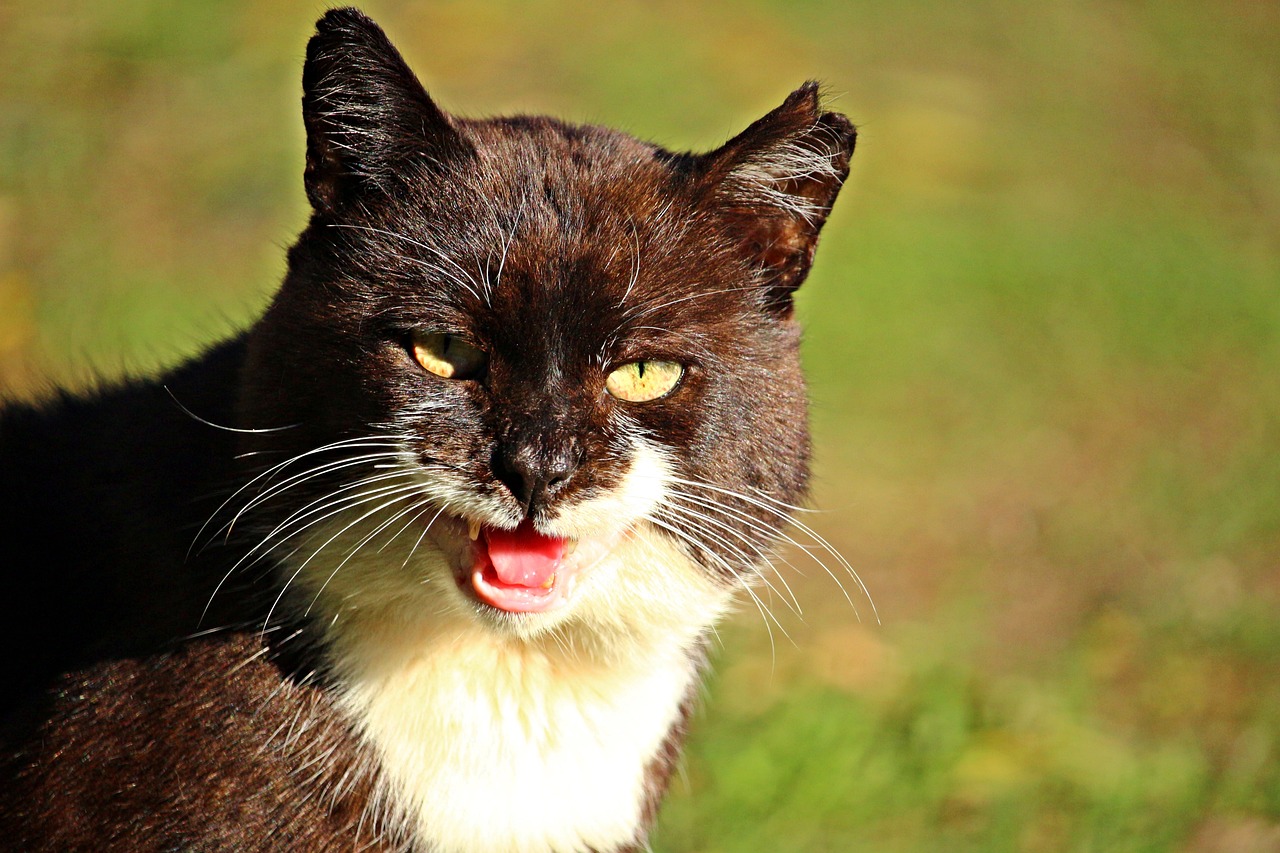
[(536, 468)]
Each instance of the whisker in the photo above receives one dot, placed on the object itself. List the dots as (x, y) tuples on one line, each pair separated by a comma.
[(651, 309), (275, 468), (302, 478), (422, 535), (359, 545), (791, 602), (463, 278), (207, 422), (506, 246), (799, 525), (766, 530), (671, 525), (323, 508), (635, 266), (265, 544), (413, 487)]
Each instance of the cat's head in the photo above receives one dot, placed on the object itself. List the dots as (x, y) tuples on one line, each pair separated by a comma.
[(526, 372)]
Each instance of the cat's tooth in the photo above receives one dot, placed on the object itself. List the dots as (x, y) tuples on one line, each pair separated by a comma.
[(549, 582), (571, 547), (473, 530)]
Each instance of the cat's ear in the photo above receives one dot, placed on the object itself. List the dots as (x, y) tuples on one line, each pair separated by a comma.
[(775, 183), (368, 118)]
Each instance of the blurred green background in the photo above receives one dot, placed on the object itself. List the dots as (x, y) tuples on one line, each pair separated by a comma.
[(1043, 335)]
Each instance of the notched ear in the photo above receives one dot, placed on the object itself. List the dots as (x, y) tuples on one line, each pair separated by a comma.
[(367, 116), (776, 182)]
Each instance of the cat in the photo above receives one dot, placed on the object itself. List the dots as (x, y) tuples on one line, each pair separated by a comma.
[(428, 557)]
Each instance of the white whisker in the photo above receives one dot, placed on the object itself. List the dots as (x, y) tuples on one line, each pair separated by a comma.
[(771, 507), (268, 473), (763, 559), (672, 526), (401, 492), (462, 278)]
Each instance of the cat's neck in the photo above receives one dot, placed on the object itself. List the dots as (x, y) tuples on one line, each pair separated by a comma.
[(487, 745), (488, 740)]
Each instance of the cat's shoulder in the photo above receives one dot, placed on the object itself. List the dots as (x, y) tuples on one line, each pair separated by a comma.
[(209, 746)]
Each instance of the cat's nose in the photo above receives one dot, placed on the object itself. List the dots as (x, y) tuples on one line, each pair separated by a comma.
[(535, 472)]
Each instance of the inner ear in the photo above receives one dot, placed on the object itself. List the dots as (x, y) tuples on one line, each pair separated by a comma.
[(775, 184)]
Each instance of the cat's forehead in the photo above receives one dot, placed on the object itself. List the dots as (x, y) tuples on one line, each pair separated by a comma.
[(571, 218), (541, 144), (559, 180)]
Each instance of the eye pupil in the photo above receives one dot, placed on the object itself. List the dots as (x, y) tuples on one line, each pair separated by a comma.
[(640, 369)]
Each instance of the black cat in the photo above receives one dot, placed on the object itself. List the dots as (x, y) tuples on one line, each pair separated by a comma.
[(428, 557)]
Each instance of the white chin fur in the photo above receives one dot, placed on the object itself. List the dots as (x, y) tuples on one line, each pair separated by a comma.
[(501, 733)]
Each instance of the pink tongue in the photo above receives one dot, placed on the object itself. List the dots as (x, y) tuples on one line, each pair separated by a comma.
[(524, 557)]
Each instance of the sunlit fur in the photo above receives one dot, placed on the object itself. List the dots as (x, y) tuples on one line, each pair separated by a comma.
[(527, 736), (337, 477), (511, 733), (561, 253)]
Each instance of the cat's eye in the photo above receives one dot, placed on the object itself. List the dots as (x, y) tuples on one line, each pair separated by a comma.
[(642, 381), (448, 356)]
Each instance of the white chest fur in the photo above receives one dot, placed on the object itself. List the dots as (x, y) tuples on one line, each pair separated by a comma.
[(493, 743), (496, 739), (494, 746)]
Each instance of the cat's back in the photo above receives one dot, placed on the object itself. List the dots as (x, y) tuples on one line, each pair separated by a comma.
[(101, 496)]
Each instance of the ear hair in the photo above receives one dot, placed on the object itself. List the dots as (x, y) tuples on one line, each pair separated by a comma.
[(367, 116), (776, 182)]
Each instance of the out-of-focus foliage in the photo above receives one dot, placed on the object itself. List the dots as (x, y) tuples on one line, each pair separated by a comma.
[(1044, 338)]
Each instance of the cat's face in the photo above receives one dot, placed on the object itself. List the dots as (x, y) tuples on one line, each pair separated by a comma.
[(532, 373)]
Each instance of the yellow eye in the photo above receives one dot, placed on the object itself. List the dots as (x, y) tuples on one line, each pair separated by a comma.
[(642, 381), (448, 356)]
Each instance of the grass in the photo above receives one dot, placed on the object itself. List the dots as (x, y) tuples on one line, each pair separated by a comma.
[(1043, 335)]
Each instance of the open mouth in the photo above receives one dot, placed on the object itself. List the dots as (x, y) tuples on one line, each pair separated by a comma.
[(520, 570)]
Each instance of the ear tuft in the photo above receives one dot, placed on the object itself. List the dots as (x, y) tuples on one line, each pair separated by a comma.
[(368, 118), (776, 182)]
